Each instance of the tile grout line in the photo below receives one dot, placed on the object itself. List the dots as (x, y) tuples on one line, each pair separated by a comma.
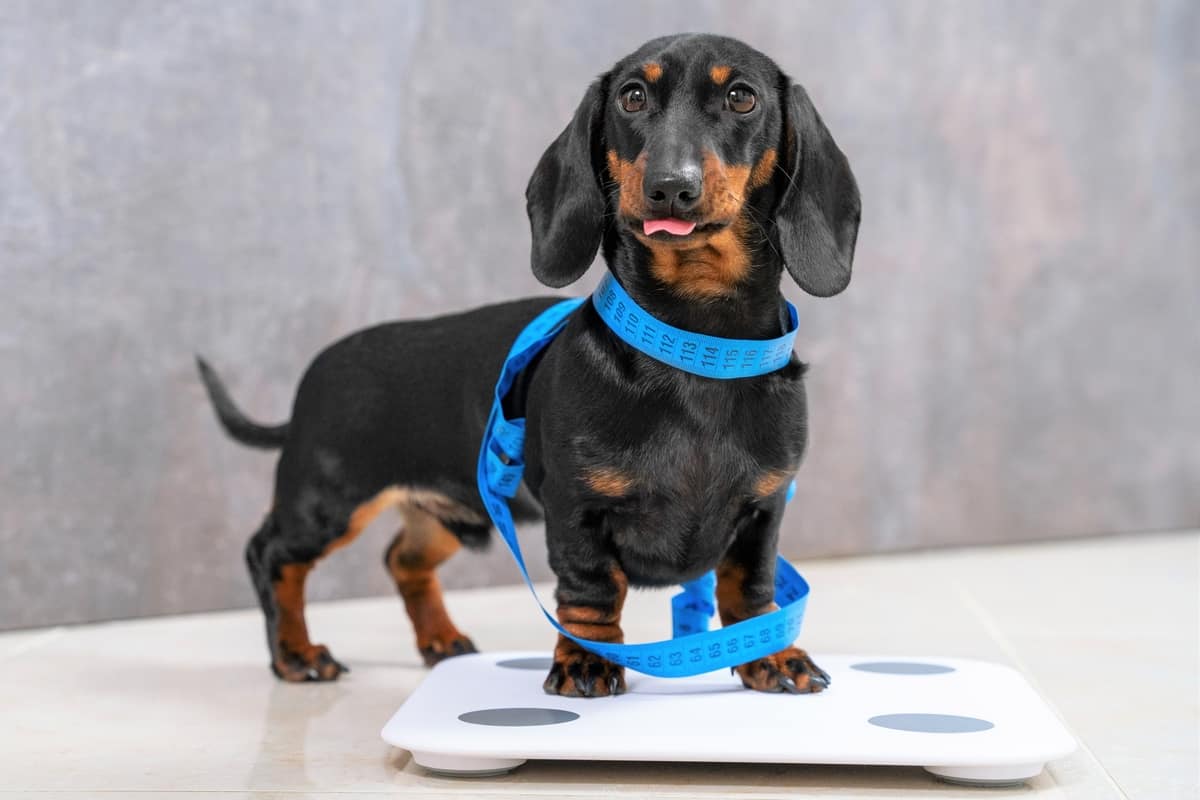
[(1010, 651)]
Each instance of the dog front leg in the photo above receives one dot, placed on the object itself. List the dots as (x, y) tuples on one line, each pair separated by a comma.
[(590, 594), (745, 589)]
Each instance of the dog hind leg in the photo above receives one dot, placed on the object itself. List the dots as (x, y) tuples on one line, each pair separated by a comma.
[(412, 559), (279, 568)]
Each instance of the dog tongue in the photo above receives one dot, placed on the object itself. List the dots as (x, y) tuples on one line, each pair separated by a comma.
[(675, 227)]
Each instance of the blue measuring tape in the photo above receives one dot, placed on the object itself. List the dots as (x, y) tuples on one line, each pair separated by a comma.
[(708, 356), (693, 649)]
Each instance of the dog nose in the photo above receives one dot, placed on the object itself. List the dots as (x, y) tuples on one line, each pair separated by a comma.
[(670, 192)]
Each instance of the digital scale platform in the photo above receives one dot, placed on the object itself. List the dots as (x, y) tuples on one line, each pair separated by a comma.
[(965, 721)]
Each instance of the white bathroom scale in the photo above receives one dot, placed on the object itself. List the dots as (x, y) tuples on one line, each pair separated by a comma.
[(965, 721)]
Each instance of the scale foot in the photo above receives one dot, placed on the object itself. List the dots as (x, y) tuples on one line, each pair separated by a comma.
[(1007, 775), (466, 766)]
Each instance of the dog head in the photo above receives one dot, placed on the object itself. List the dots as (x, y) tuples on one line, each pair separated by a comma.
[(700, 154)]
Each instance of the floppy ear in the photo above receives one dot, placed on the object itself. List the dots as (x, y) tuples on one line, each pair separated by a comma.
[(820, 208), (564, 199)]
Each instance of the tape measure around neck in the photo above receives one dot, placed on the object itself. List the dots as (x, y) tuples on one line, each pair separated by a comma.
[(694, 649), (698, 353)]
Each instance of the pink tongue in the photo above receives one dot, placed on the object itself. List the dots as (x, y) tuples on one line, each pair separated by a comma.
[(675, 227)]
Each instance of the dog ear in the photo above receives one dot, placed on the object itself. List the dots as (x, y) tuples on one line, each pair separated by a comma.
[(819, 211), (564, 198)]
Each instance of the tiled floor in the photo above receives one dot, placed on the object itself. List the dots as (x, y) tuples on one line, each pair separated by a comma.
[(1107, 629)]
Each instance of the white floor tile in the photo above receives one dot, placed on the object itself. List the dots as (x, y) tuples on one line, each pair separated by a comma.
[(186, 706)]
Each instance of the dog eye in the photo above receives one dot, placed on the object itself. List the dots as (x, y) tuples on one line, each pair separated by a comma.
[(741, 99), (633, 99)]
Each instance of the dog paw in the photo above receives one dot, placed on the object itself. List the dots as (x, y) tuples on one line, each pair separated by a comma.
[(439, 650), (789, 670), (314, 663), (578, 673)]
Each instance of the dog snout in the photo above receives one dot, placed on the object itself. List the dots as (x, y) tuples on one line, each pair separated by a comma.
[(673, 191)]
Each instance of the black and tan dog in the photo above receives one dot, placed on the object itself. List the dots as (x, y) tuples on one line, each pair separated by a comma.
[(702, 171)]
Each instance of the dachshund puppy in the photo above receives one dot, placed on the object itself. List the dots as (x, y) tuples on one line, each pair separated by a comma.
[(702, 172)]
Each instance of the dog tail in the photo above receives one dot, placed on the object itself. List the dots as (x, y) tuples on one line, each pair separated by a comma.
[(237, 424)]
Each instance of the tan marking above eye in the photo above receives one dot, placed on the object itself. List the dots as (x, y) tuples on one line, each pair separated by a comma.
[(720, 73), (652, 70)]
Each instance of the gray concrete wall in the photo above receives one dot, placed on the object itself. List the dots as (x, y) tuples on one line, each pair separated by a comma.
[(1017, 356)]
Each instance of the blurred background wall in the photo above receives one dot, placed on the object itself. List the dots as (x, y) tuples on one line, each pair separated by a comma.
[(1017, 356)]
